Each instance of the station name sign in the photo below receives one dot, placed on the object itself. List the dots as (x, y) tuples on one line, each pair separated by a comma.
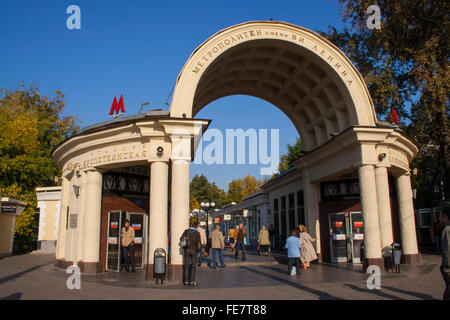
[(295, 37), (9, 207)]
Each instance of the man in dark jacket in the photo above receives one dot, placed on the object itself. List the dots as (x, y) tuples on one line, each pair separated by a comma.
[(239, 237), (444, 219), (190, 254)]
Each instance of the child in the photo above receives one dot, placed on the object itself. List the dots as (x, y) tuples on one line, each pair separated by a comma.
[(293, 247)]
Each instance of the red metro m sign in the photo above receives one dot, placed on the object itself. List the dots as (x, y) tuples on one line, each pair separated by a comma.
[(117, 107)]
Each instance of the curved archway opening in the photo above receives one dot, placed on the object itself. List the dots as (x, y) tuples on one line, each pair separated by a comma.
[(298, 71)]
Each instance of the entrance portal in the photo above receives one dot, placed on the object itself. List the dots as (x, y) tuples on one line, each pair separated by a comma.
[(346, 236), (138, 221)]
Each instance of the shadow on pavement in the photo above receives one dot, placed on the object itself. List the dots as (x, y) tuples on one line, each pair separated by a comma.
[(374, 291), (14, 296), (320, 294), (19, 274), (414, 294)]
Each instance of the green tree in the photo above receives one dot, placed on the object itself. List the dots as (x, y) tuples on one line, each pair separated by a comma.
[(31, 125), (286, 160), (201, 190), (405, 65)]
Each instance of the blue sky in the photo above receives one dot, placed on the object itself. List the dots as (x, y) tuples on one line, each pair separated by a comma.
[(137, 48)]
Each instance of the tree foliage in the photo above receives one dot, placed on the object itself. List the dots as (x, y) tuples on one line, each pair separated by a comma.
[(286, 160), (405, 65), (201, 190), (31, 125), (242, 187)]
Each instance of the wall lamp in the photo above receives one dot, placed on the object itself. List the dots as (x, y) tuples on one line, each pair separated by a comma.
[(381, 156), (159, 151)]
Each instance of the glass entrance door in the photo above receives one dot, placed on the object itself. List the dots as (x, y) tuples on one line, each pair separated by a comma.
[(338, 237), (357, 235), (137, 223), (346, 236), (116, 220), (113, 244)]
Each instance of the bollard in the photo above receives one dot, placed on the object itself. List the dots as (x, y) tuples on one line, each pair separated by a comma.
[(159, 265)]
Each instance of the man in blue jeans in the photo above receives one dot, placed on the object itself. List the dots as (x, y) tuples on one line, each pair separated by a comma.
[(239, 237), (217, 245)]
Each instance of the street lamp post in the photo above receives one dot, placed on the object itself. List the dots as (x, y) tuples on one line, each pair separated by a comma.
[(206, 205)]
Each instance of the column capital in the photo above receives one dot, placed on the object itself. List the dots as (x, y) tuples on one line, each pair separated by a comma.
[(181, 160), (166, 160)]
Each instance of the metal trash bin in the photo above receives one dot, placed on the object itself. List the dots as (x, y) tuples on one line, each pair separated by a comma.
[(159, 265), (396, 256)]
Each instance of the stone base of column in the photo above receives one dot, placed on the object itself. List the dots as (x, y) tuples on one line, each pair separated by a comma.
[(90, 267), (62, 263), (175, 273), (411, 258), (372, 261)]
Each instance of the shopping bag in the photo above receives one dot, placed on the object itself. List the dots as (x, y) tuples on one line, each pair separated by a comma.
[(293, 271)]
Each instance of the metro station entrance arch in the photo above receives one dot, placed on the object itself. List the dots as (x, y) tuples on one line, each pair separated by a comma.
[(296, 70), (325, 97)]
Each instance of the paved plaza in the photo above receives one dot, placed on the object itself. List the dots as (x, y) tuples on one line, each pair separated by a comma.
[(34, 276)]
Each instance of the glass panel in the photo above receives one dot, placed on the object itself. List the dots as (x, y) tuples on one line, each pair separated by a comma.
[(357, 227), (338, 238), (112, 254), (137, 223)]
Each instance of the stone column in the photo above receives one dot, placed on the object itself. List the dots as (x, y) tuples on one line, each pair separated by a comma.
[(179, 218), (407, 223), (62, 232), (90, 263), (159, 176), (384, 210), (311, 207), (369, 207)]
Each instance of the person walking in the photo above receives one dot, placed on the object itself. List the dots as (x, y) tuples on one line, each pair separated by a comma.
[(217, 245), (437, 237), (240, 235), (127, 237), (263, 239), (444, 219), (293, 247), (231, 234), (308, 253), (190, 254), (204, 251)]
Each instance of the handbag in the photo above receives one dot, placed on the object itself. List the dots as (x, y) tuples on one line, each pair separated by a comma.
[(185, 241), (293, 271)]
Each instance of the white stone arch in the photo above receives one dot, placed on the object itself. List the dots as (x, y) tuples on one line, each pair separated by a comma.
[(295, 69)]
